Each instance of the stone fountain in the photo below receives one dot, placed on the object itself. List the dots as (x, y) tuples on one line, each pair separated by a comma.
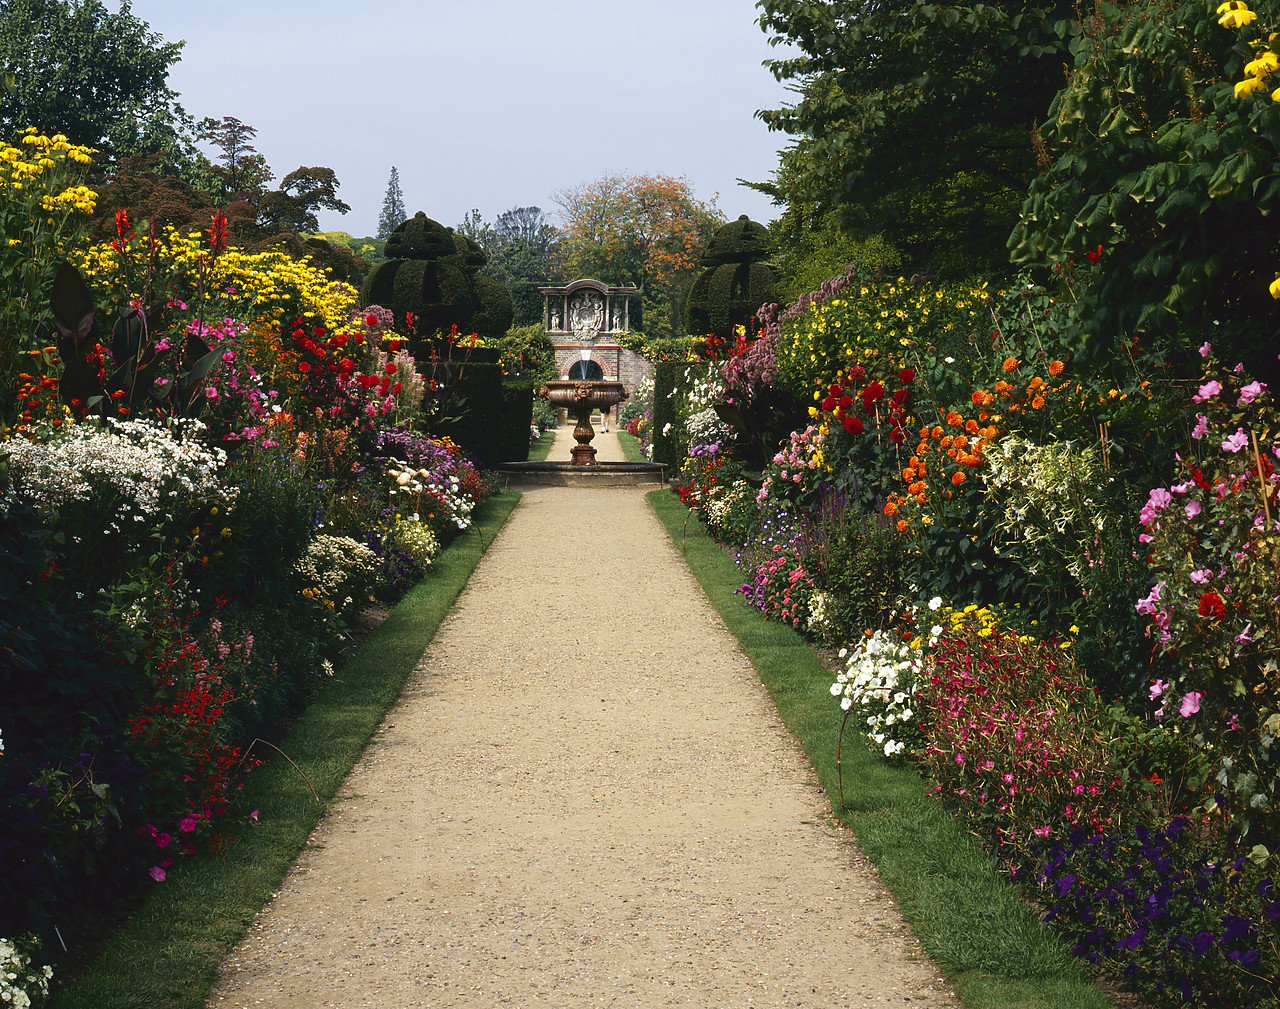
[(582, 313), (586, 308)]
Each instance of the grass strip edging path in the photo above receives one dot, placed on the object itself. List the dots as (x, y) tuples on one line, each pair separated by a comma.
[(968, 916), (167, 954)]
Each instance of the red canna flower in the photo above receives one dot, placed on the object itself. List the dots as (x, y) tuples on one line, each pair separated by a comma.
[(218, 233)]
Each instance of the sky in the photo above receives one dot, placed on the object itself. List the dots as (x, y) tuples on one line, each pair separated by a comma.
[(486, 104)]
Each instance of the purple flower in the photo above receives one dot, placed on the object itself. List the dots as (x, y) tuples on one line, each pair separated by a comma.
[(1207, 391), (156, 873), (1190, 704), (1237, 441)]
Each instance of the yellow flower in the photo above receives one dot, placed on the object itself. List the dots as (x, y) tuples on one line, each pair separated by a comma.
[(1265, 64), (1275, 288), (1234, 14), (1248, 86)]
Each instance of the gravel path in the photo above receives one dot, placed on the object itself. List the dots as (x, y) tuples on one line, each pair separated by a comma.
[(581, 802)]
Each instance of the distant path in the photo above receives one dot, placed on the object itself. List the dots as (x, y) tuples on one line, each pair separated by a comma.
[(578, 803)]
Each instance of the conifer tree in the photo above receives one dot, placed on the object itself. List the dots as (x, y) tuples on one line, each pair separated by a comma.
[(393, 211)]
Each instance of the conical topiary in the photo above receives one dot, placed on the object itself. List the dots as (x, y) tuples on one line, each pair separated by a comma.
[(734, 283)]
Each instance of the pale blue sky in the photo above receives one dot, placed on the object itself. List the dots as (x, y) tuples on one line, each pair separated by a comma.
[(489, 104)]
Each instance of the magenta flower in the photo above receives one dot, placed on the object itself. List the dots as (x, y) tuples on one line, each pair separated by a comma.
[(1190, 704), (156, 873), (162, 840), (188, 823)]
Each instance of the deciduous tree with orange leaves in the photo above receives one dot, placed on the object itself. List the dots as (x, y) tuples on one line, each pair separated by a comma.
[(646, 230)]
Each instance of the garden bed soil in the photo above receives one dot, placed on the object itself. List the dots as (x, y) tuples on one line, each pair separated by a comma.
[(583, 797)]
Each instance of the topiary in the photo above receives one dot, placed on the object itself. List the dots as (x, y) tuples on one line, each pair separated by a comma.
[(734, 282), (431, 273)]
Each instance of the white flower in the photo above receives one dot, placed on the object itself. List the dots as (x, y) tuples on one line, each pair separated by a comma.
[(935, 602)]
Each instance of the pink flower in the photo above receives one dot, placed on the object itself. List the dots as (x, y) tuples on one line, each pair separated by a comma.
[(253, 817), (1204, 349), (1190, 704), (1201, 575), (162, 840), (1192, 508), (1206, 392), (156, 873), (1237, 441), (1251, 392), (1157, 689), (1201, 428), (188, 823)]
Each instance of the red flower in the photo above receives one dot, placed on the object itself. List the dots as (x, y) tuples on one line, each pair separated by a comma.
[(218, 233), (371, 321), (836, 391), (396, 388), (1095, 255), (906, 376), (857, 373), (1211, 605), (900, 396), (389, 367), (829, 404), (897, 435), (871, 395), (853, 425), (304, 367), (846, 402)]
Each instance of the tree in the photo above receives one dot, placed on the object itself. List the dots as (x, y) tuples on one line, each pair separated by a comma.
[(393, 210), (646, 230), (240, 172), (913, 120), (98, 78), (1159, 193), (293, 206)]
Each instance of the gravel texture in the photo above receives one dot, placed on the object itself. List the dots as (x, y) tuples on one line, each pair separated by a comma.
[(584, 797)]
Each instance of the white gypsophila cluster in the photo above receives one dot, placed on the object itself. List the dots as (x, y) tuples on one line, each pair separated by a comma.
[(332, 562), (878, 682), (19, 981), (719, 502), (1049, 491), (138, 469), (705, 427)]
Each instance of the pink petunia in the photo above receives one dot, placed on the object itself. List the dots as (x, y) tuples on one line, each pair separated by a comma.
[(1205, 349), (1190, 704), (156, 873)]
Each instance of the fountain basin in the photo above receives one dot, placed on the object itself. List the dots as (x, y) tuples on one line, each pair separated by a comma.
[(581, 397)]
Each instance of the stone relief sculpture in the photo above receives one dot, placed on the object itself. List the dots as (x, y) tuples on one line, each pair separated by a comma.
[(586, 314)]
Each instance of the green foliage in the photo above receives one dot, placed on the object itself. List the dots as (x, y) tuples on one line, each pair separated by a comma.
[(912, 119), (814, 255), (1151, 164), (857, 562), (54, 48)]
